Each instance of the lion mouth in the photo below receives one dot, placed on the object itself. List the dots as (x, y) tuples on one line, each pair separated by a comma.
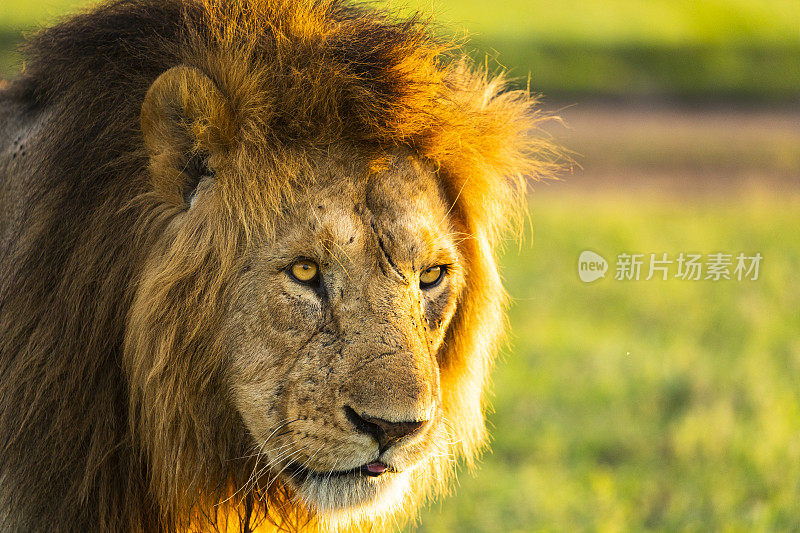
[(374, 485), (372, 469)]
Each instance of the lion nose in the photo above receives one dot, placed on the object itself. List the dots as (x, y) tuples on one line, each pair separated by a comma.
[(387, 433)]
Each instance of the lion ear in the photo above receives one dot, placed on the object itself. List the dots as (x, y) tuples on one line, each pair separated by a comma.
[(187, 124)]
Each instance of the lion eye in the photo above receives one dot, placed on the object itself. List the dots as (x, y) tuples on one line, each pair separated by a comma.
[(304, 271), (431, 277)]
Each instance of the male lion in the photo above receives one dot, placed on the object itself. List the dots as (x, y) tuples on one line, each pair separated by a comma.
[(247, 270)]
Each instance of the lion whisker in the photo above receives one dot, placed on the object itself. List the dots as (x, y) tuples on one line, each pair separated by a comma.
[(256, 471), (254, 478), (259, 447)]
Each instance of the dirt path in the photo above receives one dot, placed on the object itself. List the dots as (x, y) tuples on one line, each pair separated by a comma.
[(715, 150)]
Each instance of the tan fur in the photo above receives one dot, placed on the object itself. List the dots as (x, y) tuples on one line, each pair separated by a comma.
[(168, 371)]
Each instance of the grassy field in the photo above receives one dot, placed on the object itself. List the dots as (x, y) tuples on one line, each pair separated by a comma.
[(650, 405), (685, 49)]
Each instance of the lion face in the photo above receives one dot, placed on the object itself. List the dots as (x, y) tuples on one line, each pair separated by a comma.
[(334, 333), (316, 318), (320, 310)]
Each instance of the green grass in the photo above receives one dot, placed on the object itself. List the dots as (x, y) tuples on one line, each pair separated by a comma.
[(685, 49), (604, 22), (650, 405), (23, 14)]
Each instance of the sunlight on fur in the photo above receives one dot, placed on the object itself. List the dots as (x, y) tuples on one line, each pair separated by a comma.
[(165, 366)]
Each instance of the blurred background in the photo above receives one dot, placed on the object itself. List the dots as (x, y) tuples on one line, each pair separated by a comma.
[(636, 405)]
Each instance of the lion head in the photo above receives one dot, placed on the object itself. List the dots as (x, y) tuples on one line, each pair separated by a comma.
[(299, 230)]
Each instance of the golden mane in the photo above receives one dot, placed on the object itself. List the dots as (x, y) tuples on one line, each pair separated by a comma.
[(84, 443)]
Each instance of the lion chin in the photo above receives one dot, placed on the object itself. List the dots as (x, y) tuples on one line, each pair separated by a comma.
[(336, 498)]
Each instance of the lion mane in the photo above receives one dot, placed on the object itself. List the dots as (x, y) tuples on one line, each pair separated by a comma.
[(96, 435)]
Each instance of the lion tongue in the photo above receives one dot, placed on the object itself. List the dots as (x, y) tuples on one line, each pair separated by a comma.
[(376, 467)]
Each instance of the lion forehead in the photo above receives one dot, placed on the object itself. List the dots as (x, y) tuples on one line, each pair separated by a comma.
[(400, 203)]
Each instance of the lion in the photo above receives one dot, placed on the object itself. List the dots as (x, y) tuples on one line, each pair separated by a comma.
[(248, 265)]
